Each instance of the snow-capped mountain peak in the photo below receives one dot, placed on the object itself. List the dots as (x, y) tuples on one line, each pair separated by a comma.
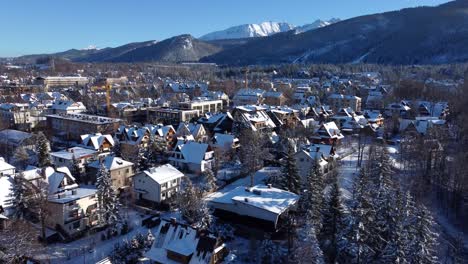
[(264, 29), (90, 47), (316, 24), (249, 31)]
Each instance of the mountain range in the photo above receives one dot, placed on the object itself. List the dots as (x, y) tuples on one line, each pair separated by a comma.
[(421, 35), (264, 29)]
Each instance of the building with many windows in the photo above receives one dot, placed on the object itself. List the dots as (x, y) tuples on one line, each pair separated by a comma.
[(72, 126), (203, 105)]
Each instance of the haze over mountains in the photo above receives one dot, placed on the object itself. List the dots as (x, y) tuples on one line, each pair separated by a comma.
[(422, 35)]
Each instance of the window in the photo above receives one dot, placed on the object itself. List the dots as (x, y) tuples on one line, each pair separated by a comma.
[(127, 170), (174, 181), (302, 160), (76, 224), (163, 195)]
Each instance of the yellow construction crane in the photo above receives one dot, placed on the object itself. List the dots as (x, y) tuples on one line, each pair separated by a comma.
[(108, 88)]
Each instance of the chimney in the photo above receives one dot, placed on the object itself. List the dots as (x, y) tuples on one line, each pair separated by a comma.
[(246, 199), (269, 186), (173, 220), (74, 192)]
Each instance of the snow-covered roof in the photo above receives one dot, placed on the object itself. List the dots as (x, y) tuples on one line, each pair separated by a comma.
[(59, 179), (111, 163), (4, 166), (273, 94), (96, 140), (224, 140), (74, 152), (332, 130), (68, 105), (323, 149), (250, 92), (6, 183), (72, 195), (260, 196), (164, 173), (194, 152), (14, 137), (256, 114), (342, 96), (182, 239)]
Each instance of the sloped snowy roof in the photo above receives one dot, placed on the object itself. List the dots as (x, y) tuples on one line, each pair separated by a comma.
[(332, 130), (194, 152), (183, 240), (164, 173), (59, 179), (224, 140), (96, 140)]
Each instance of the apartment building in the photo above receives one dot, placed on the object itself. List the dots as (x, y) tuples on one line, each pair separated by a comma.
[(338, 101), (203, 105), (62, 81), (171, 116), (72, 126)]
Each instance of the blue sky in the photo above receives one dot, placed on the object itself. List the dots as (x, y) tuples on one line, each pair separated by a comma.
[(51, 25)]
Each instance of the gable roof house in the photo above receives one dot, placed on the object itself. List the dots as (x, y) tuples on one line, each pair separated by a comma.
[(157, 184), (177, 243), (309, 156), (98, 142), (225, 142), (274, 98), (247, 96), (254, 117), (192, 156), (217, 123), (327, 133), (196, 130), (71, 208), (284, 116), (120, 170), (67, 107), (76, 156)]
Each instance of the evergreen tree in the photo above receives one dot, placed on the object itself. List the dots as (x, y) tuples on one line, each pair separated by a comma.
[(210, 181), (21, 157), (108, 202), (192, 206), (307, 249), (76, 170), (357, 243), (396, 248), (290, 179), (311, 202), (270, 252), (423, 238), (332, 222), (18, 197), (43, 150)]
